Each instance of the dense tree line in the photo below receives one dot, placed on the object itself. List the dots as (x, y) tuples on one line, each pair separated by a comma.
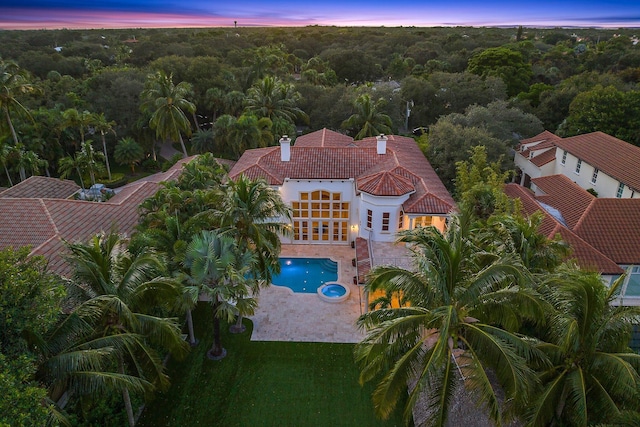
[(246, 87)]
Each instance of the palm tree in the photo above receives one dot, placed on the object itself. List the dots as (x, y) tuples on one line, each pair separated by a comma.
[(13, 82), (273, 99), (168, 103), (102, 125), (67, 165), (203, 141), (211, 259), (593, 374), (453, 318), (91, 160), (119, 291), (5, 152), (25, 159), (256, 216), (128, 152), (368, 120), (80, 120), (520, 234)]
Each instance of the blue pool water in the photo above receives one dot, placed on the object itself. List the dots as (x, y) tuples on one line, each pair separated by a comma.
[(306, 275)]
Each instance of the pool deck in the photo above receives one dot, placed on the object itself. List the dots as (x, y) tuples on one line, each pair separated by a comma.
[(283, 315)]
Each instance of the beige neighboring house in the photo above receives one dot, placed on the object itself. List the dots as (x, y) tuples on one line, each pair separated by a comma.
[(340, 189), (41, 212), (604, 231), (596, 161)]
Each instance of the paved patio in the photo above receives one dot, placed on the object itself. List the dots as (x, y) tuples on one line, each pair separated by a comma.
[(283, 315)]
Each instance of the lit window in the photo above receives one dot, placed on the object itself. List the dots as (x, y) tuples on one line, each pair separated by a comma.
[(620, 190), (369, 218), (422, 221), (564, 157), (385, 221), (578, 166), (594, 177)]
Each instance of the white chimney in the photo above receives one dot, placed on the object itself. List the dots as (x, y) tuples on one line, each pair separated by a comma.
[(382, 144), (285, 148)]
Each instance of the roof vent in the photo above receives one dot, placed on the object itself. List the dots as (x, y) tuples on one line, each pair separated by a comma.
[(285, 148), (382, 144)]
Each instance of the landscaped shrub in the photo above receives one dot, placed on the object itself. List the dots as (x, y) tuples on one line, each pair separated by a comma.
[(150, 165), (117, 180)]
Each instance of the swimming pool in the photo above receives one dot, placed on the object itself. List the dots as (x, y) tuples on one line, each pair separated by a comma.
[(306, 275)]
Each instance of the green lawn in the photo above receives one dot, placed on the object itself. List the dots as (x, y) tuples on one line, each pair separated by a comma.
[(264, 384)]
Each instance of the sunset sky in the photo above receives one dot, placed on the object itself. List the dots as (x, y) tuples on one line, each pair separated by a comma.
[(37, 14)]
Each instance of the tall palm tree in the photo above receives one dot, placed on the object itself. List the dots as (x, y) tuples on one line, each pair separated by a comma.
[(5, 152), (368, 120), (256, 216), (91, 159), (593, 373), (104, 126), (454, 317), (120, 291), (80, 120), (211, 259), (13, 82), (168, 103)]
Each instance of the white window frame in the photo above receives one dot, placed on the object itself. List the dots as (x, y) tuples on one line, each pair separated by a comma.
[(386, 218), (620, 190), (594, 176), (564, 158), (369, 218), (578, 166)]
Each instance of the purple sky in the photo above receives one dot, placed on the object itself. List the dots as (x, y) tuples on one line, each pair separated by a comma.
[(36, 14)]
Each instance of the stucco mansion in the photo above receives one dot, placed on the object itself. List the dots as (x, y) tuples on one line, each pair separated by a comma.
[(340, 189)]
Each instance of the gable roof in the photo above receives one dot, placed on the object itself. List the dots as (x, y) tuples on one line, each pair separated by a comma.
[(544, 157), (544, 136), (325, 154), (586, 255), (565, 195), (611, 155), (40, 187)]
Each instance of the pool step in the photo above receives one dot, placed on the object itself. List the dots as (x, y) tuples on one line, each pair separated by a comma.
[(329, 266)]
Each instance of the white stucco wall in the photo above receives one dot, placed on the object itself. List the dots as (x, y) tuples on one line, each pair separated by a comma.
[(605, 185), (379, 205)]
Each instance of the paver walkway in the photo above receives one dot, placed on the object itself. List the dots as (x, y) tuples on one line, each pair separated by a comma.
[(283, 315)]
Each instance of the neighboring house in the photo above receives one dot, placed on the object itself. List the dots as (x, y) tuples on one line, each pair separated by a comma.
[(340, 189), (604, 233), (41, 212), (594, 161)]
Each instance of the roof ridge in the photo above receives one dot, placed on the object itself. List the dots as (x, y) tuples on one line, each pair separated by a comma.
[(584, 215), (49, 217)]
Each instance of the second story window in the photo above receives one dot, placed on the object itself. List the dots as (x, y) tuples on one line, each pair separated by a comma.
[(620, 190), (401, 221), (594, 177), (564, 157), (578, 166), (385, 221), (369, 218)]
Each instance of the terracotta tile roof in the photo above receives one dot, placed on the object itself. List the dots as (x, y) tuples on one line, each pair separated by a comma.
[(613, 226), (611, 155), (44, 223), (565, 195), (587, 256), (544, 136), (544, 158), (40, 187), (385, 184), (326, 154), (326, 138)]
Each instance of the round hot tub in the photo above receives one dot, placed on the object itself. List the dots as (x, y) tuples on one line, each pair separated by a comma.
[(333, 292)]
